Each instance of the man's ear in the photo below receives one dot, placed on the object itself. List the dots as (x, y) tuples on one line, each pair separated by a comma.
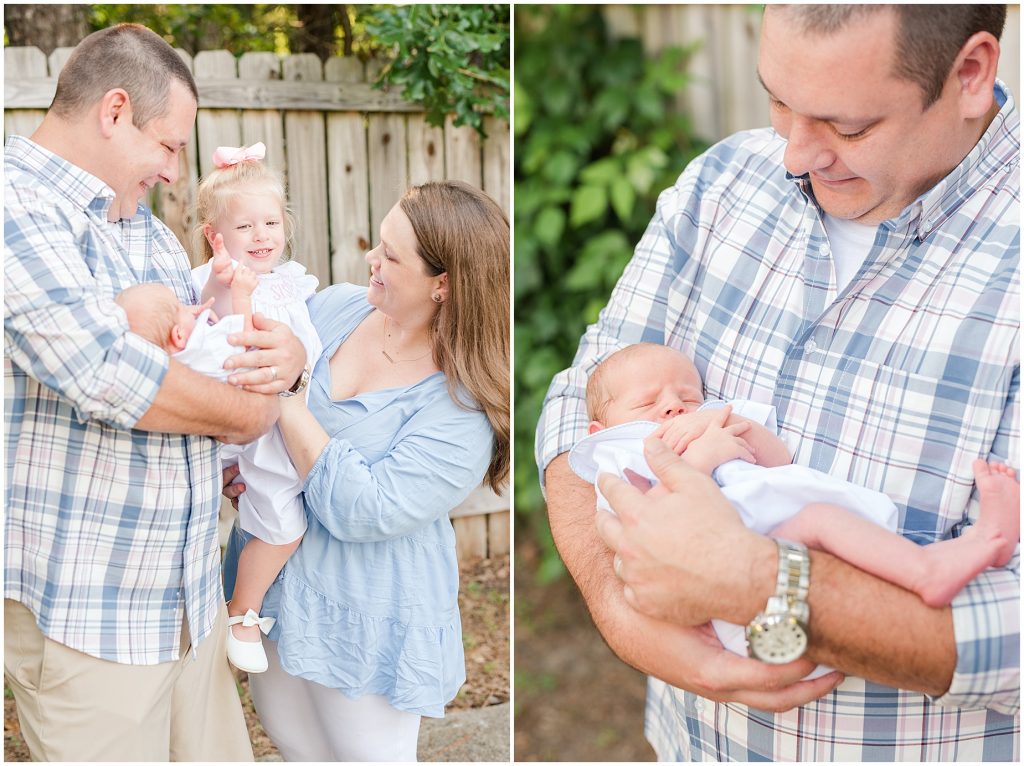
[(974, 73), (595, 426), (178, 339), (115, 107)]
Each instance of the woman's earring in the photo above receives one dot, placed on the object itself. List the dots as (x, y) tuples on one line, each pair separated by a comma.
[(436, 297)]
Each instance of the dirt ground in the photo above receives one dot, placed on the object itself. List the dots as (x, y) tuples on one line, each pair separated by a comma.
[(484, 603), (574, 700)]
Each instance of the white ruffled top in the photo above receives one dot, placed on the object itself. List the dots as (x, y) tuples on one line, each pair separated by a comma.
[(281, 295)]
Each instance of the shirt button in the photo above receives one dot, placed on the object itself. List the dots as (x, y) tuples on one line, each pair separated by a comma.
[(824, 249), (699, 705), (811, 347)]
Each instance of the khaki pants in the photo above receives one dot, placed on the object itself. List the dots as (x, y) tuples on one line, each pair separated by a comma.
[(74, 707)]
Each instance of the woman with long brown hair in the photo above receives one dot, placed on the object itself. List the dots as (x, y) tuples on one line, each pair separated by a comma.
[(408, 411)]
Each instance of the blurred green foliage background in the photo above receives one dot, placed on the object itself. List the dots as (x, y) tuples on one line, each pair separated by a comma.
[(597, 137)]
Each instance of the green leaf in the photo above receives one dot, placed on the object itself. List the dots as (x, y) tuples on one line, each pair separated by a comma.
[(549, 226), (623, 197), (588, 204)]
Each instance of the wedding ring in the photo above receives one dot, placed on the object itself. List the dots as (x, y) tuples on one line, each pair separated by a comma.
[(617, 566), (273, 373)]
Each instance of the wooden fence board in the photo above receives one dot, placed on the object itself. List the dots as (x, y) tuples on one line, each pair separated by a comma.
[(348, 183), (498, 528), (462, 154), (389, 178), (266, 125), (307, 171), (216, 127), (21, 67), (426, 150), (470, 537), (496, 179), (175, 203)]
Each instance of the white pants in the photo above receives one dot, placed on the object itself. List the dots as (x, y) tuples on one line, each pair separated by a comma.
[(311, 722)]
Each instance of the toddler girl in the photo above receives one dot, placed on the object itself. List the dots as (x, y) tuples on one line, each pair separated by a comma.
[(243, 220)]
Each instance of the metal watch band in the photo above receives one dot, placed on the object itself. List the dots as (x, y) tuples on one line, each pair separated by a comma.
[(299, 385), (794, 578)]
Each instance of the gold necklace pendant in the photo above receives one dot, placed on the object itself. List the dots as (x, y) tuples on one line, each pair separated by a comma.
[(384, 350)]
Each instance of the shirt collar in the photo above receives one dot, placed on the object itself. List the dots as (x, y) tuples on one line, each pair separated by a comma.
[(81, 188), (998, 150)]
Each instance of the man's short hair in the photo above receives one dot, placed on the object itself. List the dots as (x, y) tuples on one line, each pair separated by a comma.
[(127, 56), (928, 37)]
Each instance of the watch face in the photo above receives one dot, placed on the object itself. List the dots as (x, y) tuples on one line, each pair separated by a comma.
[(777, 639)]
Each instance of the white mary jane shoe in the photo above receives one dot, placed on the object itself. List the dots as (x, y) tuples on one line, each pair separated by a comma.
[(248, 655)]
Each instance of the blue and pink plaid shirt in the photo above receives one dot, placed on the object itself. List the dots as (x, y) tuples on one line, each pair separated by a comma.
[(110, 533), (897, 383)]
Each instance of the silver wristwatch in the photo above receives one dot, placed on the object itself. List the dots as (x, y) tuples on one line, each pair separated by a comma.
[(779, 633), (300, 384)]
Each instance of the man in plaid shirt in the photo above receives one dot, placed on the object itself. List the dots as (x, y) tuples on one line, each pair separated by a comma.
[(114, 617), (858, 268)]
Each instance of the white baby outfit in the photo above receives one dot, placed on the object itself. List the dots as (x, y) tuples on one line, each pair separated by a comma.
[(271, 507), (764, 497)]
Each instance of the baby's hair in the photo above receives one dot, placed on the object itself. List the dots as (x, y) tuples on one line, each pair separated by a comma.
[(221, 184), (598, 396), (152, 311)]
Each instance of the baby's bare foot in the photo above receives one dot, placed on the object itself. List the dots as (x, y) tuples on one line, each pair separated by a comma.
[(999, 518)]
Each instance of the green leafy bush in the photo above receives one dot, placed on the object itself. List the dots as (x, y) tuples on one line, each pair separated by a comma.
[(598, 136), (451, 59)]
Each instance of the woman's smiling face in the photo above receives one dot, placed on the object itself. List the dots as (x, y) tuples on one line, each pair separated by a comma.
[(400, 284)]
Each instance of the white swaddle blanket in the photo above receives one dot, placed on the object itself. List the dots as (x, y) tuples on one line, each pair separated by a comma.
[(763, 497)]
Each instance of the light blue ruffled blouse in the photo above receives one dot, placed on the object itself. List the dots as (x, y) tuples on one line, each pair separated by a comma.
[(368, 603)]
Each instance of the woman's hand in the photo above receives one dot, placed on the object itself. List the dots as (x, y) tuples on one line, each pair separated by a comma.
[(229, 490), (278, 356)]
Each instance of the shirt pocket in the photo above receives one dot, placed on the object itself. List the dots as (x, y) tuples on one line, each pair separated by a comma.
[(912, 436)]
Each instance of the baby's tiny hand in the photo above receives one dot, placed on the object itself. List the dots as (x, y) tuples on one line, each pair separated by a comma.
[(679, 432)]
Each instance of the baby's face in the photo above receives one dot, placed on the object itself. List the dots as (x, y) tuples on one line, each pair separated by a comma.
[(654, 384)]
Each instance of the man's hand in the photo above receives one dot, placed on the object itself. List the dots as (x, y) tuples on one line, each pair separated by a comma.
[(695, 660), (686, 556), (686, 657), (278, 355)]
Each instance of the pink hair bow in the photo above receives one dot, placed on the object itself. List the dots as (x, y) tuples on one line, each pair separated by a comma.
[(226, 156)]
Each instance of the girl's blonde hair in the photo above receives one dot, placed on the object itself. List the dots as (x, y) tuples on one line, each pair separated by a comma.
[(220, 185), (462, 231)]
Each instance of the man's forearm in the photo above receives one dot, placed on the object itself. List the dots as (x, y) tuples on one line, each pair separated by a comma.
[(191, 403), (571, 503), (876, 630)]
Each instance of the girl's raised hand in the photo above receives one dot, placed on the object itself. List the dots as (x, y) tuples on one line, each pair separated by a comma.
[(221, 261)]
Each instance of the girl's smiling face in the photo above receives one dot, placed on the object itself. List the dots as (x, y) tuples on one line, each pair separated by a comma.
[(253, 229)]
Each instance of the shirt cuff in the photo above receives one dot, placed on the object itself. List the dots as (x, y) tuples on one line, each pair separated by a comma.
[(986, 626), (135, 369)]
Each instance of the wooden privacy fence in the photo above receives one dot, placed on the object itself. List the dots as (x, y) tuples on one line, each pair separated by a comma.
[(347, 152)]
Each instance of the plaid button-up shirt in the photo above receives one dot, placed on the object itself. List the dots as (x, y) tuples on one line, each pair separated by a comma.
[(109, 532), (897, 383)]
